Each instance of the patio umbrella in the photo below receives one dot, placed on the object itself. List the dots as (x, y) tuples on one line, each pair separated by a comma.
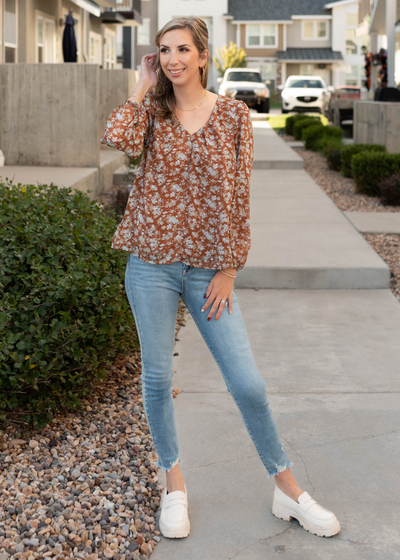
[(69, 41)]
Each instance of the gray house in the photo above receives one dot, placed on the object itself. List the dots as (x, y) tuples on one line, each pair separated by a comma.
[(284, 38)]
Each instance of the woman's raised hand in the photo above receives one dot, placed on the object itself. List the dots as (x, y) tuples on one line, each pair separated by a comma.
[(148, 68)]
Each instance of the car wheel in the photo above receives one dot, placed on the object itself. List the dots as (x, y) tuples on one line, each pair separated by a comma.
[(284, 111)]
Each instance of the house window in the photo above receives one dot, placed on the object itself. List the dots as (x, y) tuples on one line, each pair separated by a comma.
[(143, 32), (321, 29), (10, 31), (45, 39), (351, 41), (314, 29), (261, 35), (110, 49), (306, 69), (351, 75)]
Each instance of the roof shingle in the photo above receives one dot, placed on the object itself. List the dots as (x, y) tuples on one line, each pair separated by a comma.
[(271, 10), (309, 54)]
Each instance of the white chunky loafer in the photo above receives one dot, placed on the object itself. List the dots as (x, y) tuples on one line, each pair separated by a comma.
[(311, 516), (174, 518)]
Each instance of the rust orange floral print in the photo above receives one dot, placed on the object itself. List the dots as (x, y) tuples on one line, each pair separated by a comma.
[(190, 201)]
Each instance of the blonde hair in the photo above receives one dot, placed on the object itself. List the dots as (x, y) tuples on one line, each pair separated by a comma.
[(163, 92)]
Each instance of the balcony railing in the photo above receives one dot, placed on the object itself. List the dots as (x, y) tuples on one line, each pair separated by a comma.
[(129, 5)]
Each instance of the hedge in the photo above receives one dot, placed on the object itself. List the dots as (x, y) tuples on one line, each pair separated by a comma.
[(290, 121), (300, 125), (349, 151), (390, 190), (312, 134), (64, 315), (369, 168)]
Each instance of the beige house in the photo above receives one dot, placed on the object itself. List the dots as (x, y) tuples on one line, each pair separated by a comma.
[(32, 30)]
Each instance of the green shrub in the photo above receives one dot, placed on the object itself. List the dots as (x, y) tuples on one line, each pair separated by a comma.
[(291, 120), (349, 151), (390, 190), (311, 135), (64, 315), (333, 156), (300, 125), (369, 168), (333, 131)]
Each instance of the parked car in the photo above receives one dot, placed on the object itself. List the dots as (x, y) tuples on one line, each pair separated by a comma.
[(247, 85), (305, 93), (346, 92)]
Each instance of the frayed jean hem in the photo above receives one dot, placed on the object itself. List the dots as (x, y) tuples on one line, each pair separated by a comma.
[(279, 469), (171, 466)]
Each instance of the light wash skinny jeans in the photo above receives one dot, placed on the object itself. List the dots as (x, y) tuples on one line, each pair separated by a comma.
[(153, 291)]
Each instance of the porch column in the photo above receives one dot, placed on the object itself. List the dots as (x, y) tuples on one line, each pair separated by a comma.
[(391, 39)]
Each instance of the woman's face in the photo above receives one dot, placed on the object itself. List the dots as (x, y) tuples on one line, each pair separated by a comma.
[(178, 53)]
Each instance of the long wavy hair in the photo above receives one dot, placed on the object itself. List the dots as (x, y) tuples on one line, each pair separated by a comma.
[(163, 92)]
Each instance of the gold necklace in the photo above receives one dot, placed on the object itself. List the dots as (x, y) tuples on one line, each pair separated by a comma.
[(205, 93)]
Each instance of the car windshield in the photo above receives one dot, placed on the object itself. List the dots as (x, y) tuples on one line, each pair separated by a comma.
[(244, 77), (304, 83)]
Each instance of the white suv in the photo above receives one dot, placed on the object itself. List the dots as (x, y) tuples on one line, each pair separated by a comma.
[(247, 85), (305, 93)]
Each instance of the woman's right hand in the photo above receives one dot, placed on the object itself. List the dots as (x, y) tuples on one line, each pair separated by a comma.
[(148, 69)]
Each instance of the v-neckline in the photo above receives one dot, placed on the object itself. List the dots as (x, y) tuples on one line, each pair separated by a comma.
[(204, 125)]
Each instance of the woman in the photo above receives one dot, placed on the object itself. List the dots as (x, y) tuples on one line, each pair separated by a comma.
[(187, 230)]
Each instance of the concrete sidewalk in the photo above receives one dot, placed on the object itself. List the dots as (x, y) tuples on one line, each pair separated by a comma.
[(270, 151), (300, 239), (330, 359)]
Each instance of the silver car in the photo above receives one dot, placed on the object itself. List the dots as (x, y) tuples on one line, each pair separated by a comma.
[(247, 85)]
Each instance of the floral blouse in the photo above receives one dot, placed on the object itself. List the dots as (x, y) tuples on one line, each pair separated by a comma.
[(190, 201)]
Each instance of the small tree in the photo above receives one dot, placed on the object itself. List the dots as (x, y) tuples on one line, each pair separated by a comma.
[(230, 57)]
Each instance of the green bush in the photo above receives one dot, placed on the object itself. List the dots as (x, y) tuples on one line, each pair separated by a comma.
[(390, 190), (369, 168), (333, 131), (333, 156), (300, 125), (291, 120), (349, 151), (64, 315), (311, 135)]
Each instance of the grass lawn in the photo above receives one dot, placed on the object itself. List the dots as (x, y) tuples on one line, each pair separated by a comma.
[(278, 121)]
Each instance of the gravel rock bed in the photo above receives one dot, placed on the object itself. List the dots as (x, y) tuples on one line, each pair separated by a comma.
[(388, 248), (84, 486), (341, 190)]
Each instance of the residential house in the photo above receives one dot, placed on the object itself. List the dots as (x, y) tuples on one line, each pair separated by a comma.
[(299, 37), (31, 31)]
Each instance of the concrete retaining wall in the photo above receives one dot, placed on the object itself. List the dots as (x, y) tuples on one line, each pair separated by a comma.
[(377, 122), (54, 114)]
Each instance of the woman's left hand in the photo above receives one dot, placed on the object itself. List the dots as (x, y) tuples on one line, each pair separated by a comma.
[(220, 287)]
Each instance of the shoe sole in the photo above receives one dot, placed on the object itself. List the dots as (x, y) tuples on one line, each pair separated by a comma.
[(175, 533), (283, 512)]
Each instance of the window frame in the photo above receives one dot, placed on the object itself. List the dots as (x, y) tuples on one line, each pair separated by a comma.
[(3, 43), (315, 23), (262, 35), (138, 43)]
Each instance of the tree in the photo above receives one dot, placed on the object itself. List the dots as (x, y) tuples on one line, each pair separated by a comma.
[(230, 57)]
